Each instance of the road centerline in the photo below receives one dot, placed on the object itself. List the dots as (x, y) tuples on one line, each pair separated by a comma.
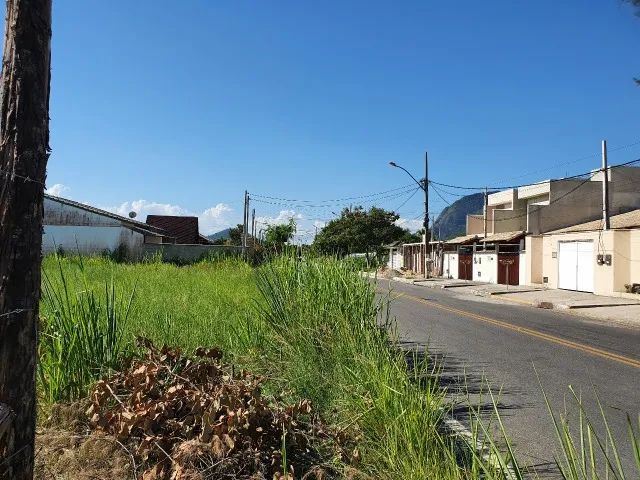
[(598, 352)]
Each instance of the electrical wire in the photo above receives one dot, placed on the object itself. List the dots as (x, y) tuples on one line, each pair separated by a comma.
[(529, 185), (561, 164), (333, 200)]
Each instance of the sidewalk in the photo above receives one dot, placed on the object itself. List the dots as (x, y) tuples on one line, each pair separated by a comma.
[(623, 310)]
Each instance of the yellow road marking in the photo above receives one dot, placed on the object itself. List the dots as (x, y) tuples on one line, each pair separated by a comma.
[(632, 362)]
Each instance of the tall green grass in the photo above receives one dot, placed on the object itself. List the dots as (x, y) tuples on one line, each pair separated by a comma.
[(81, 335), (328, 339), (92, 309), (587, 453)]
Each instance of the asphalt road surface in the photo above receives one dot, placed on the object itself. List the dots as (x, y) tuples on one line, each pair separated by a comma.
[(480, 342)]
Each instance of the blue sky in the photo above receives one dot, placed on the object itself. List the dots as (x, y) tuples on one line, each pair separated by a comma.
[(178, 107)]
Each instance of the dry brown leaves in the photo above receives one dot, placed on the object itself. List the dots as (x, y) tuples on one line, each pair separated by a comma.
[(196, 418)]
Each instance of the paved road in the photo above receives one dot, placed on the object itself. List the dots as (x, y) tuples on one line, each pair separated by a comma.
[(488, 341)]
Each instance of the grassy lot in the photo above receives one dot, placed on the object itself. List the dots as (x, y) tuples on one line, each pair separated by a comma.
[(312, 327)]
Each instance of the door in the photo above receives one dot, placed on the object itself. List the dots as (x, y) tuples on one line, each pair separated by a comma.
[(509, 268), (575, 266), (465, 266)]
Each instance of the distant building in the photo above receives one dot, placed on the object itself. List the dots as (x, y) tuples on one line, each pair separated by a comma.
[(551, 233), (184, 229), (79, 228)]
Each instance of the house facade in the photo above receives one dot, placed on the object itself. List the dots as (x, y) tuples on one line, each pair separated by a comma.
[(550, 233), (587, 258)]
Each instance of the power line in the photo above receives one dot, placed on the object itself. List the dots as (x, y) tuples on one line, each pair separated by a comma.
[(572, 161), (438, 193), (408, 198), (333, 200), (371, 201), (590, 172)]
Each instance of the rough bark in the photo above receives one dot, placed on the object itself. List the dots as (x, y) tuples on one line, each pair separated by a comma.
[(24, 151)]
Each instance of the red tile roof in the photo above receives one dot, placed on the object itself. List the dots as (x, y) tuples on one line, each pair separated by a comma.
[(184, 229)]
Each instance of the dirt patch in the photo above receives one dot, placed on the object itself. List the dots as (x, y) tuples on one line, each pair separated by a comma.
[(66, 455)]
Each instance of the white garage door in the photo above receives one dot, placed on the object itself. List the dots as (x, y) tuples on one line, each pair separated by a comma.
[(575, 266)]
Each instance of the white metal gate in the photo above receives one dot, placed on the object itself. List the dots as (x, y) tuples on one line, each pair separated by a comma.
[(575, 266)]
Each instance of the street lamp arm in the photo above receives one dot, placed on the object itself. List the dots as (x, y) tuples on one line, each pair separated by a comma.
[(393, 164)]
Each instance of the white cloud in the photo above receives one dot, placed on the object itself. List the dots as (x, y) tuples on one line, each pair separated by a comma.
[(210, 220), (283, 217), (215, 219), (144, 208), (411, 223), (57, 190)]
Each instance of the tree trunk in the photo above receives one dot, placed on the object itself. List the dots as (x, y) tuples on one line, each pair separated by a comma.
[(24, 150)]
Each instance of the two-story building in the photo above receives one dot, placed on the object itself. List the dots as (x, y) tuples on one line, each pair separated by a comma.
[(520, 222)]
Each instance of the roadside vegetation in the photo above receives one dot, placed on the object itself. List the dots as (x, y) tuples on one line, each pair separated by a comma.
[(309, 329)]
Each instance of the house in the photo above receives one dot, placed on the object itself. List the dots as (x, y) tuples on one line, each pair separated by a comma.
[(553, 204), (586, 258), (185, 230), (76, 227), (457, 256), (526, 215), (496, 258)]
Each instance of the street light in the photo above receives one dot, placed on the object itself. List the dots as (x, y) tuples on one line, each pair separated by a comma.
[(425, 187)]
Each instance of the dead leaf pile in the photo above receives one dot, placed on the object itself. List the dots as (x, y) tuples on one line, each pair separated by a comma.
[(196, 418)]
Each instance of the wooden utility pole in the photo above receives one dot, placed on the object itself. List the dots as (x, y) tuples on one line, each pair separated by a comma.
[(605, 188), (24, 151), (253, 227)]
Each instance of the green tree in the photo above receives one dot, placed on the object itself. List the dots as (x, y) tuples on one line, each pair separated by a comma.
[(277, 236), (361, 231), (235, 235)]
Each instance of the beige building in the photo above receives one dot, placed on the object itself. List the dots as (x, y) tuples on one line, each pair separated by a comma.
[(553, 204), (586, 258), (562, 222)]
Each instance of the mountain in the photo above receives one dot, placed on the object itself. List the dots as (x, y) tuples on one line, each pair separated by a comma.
[(452, 221), (224, 234)]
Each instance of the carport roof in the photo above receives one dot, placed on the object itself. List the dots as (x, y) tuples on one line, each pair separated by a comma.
[(503, 237), (462, 239), (622, 221)]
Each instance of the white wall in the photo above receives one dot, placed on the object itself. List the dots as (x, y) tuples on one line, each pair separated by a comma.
[(450, 265), (395, 260), (485, 267), (90, 239), (522, 269), (57, 213)]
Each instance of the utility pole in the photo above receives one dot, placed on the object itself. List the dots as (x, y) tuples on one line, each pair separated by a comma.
[(605, 187), (486, 208), (24, 152), (245, 220), (253, 227), (426, 209)]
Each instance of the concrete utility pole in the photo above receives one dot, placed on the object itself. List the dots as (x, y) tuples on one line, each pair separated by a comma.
[(426, 210), (605, 188), (486, 208)]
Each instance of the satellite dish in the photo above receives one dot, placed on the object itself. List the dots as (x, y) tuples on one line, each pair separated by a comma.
[(133, 214)]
